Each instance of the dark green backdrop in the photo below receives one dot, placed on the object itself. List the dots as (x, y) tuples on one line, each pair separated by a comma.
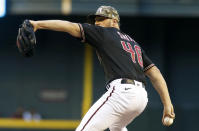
[(172, 44)]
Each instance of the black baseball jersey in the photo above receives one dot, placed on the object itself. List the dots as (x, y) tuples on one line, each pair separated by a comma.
[(119, 54)]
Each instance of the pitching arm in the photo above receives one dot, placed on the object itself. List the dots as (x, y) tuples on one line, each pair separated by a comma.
[(160, 86), (58, 25)]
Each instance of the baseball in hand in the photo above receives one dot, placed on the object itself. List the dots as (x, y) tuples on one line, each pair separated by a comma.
[(168, 121)]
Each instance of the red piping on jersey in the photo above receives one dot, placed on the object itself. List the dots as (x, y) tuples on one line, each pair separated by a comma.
[(82, 33), (148, 67), (98, 108)]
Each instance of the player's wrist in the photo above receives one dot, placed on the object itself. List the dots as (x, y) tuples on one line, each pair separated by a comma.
[(167, 104), (35, 25)]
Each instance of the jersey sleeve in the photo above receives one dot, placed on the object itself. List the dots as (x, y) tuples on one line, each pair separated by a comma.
[(91, 34), (147, 63)]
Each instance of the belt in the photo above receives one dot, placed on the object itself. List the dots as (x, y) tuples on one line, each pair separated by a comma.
[(127, 81)]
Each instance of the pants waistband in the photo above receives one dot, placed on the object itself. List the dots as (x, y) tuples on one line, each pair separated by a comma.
[(125, 81)]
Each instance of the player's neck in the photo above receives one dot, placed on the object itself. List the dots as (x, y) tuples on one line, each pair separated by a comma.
[(117, 26)]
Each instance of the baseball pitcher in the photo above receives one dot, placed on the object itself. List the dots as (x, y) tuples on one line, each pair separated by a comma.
[(125, 65)]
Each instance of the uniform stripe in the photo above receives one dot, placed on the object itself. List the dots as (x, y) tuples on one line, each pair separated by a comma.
[(148, 67), (98, 109), (82, 33)]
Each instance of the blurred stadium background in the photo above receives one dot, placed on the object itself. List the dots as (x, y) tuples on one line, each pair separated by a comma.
[(64, 77)]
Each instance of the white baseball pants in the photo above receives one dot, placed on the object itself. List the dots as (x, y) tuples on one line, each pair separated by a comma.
[(116, 108)]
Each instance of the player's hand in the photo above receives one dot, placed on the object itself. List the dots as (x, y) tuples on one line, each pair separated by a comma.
[(34, 23), (168, 112)]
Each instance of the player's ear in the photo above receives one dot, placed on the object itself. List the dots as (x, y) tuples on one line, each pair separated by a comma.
[(115, 21)]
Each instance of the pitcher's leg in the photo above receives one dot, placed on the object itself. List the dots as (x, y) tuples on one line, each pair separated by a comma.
[(137, 101), (99, 116), (124, 129), (122, 122)]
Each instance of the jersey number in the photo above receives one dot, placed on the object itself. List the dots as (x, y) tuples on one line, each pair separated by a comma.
[(128, 48)]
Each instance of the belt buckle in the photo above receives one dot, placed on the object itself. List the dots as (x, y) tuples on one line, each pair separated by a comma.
[(127, 81), (131, 81)]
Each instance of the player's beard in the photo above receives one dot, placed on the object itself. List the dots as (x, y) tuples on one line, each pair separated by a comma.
[(110, 23)]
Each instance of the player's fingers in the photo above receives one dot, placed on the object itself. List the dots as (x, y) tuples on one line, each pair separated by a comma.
[(34, 25), (169, 111), (172, 113), (171, 116)]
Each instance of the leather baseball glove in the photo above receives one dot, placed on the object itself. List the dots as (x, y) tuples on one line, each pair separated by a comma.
[(26, 39)]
